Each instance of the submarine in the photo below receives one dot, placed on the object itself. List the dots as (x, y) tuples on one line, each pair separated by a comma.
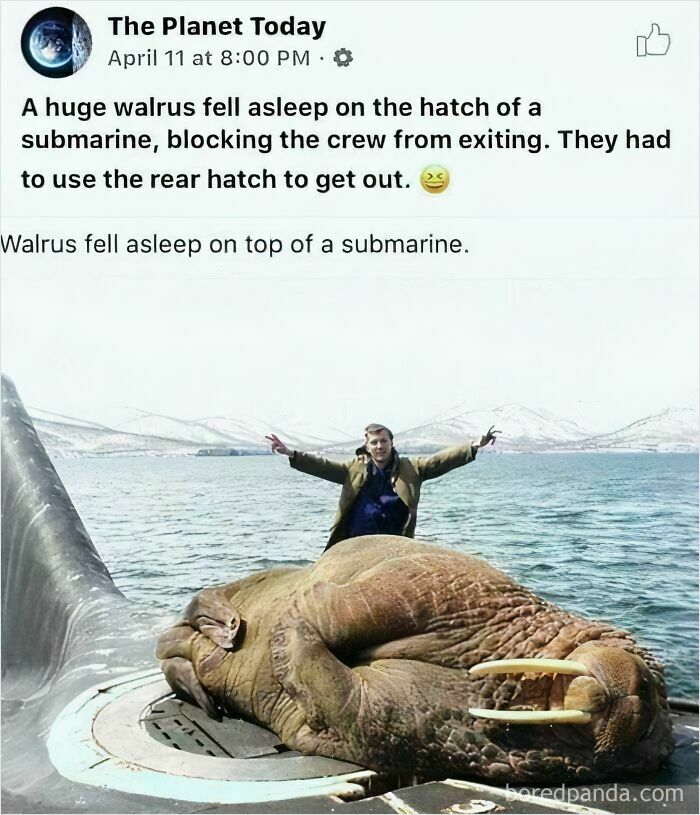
[(90, 725)]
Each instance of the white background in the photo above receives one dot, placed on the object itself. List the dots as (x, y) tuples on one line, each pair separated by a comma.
[(578, 294)]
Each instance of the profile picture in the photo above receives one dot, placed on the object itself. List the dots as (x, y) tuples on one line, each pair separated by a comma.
[(56, 42)]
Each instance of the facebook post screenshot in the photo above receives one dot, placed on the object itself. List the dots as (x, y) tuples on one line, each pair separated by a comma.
[(350, 361)]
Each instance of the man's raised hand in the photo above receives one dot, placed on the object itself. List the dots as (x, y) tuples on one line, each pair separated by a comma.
[(279, 446), (489, 437)]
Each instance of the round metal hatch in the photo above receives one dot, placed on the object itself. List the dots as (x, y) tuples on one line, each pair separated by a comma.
[(130, 734)]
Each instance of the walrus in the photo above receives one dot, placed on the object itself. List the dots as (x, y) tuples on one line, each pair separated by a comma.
[(408, 657)]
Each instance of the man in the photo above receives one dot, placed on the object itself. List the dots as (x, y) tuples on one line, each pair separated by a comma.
[(381, 489)]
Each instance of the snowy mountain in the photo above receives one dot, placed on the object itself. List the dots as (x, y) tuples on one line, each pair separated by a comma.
[(674, 430), (113, 416), (300, 435), (140, 432), (168, 427), (316, 434), (72, 438), (523, 430)]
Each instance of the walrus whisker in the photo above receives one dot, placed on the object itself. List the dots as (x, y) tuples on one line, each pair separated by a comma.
[(533, 716), (533, 665)]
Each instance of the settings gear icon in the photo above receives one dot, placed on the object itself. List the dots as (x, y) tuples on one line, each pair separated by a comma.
[(342, 57)]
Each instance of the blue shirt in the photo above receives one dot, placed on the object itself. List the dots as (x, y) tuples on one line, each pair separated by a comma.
[(378, 510)]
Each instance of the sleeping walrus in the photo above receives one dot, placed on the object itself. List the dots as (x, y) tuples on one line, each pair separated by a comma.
[(402, 656)]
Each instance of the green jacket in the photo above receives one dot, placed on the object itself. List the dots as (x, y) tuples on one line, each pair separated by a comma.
[(407, 476)]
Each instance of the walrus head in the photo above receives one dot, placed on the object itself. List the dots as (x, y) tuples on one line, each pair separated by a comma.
[(603, 696), (620, 693)]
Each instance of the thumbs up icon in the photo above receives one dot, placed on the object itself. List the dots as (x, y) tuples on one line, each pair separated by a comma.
[(656, 44)]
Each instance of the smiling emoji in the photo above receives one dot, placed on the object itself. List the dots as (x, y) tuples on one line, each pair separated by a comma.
[(434, 179)]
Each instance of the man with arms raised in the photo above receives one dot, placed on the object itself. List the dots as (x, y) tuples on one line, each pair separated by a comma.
[(381, 489)]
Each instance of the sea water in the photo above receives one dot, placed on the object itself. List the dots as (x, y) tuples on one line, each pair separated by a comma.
[(610, 536)]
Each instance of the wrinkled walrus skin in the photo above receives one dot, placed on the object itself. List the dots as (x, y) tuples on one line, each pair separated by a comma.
[(365, 656)]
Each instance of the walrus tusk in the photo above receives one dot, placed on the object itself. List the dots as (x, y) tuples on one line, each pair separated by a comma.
[(533, 716), (534, 665)]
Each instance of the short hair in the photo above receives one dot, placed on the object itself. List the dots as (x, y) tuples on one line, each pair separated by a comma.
[(378, 428)]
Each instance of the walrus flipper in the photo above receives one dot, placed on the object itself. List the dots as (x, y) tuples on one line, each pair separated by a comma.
[(180, 675), (211, 613), (318, 637), (319, 683), (356, 616)]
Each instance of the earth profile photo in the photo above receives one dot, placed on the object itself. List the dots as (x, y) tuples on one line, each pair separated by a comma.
[(56, 42)]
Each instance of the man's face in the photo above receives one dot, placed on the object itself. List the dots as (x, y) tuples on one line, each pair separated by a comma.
[(380, 447)]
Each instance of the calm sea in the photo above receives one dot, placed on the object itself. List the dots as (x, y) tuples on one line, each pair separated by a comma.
[(612, 537)]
